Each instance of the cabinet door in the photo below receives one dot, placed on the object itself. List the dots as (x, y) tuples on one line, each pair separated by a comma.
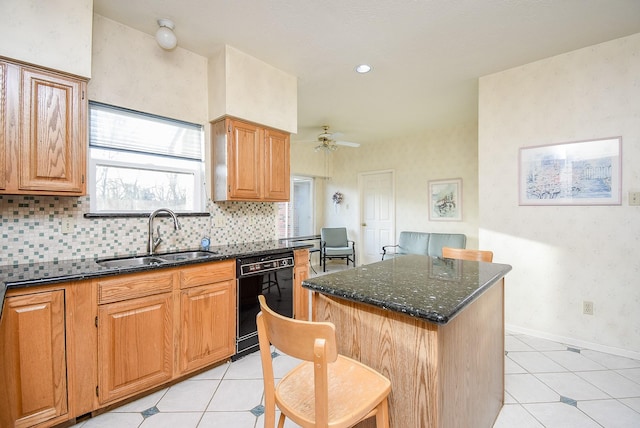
[(52, 146), (135, 346), (33, 374), (244, 161), (208, 324), (276, 166), (3, 113), (300, 295)]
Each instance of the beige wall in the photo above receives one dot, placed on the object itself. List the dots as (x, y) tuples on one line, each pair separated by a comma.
[(564, 255), (130, 70), (53, 33), (245, 87), (417, 159)]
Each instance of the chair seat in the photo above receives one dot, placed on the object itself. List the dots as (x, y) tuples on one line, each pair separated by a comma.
[(354, 391), (339, 251)]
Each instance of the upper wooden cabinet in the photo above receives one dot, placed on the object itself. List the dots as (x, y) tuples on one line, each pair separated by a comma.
[(250, 162), (3, 128), (43, 131)]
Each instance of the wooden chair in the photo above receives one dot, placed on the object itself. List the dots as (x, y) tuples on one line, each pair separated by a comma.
[(475, 255), (326, 389)]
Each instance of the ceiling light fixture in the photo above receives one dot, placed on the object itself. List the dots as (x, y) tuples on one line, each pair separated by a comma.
[(363, 68), (165, 36), (326, 146)]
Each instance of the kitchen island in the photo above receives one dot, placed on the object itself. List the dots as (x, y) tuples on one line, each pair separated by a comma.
[(434, 327)]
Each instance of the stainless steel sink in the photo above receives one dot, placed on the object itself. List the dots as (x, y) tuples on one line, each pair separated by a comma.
[(181, 256), (131, 261), (186, 255)]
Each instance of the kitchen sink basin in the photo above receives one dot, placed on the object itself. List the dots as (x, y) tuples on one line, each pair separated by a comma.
[(186, 255), (159, 259), (132, 261)]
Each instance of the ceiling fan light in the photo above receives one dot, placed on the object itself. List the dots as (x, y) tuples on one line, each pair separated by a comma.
[(327, 147)]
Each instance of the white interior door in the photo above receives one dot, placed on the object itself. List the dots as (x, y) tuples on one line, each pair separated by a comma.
[(377, 219)]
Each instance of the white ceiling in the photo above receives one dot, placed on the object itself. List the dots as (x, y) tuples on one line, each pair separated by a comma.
[(426, 55)]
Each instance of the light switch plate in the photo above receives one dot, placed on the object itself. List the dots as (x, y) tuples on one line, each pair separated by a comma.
[(634, 198)]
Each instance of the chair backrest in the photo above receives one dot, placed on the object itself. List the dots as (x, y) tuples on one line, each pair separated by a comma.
[(334, 236), (305, 340), (439, 240), (475, 255), (413, 243)]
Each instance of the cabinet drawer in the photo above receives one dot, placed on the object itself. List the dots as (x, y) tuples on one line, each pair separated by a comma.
[(207, 273), (135, 285)]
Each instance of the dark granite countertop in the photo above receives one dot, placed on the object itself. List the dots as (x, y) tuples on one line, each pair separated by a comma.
[(35, 274), (431, 288)]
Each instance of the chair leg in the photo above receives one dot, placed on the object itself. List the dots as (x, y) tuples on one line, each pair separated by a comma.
[(280, 420), (382, 414), (269, 417)]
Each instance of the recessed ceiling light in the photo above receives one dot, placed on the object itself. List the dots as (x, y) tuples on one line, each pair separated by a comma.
[(363, 68)]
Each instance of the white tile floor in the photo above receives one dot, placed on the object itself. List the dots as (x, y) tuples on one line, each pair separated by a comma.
[(547, 384)]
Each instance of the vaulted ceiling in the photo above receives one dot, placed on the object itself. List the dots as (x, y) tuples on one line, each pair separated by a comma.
[(427, 55)]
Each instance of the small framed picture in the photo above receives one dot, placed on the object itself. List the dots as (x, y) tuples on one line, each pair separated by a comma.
[(576, 173), (445, 200)]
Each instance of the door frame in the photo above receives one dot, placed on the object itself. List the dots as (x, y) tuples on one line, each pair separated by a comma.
[(361, 205)]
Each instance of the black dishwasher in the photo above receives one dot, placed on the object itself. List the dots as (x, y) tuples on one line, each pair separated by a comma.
[(270, 275)]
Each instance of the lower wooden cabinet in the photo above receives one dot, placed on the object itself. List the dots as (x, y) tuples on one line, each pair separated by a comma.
[(72, 348), (301, 299), (206, 334), (135, 346), (33, 375)]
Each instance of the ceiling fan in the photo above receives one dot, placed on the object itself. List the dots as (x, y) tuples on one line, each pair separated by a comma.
[(329, 141)]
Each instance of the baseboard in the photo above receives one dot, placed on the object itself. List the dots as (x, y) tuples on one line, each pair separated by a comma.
[(574, 342)]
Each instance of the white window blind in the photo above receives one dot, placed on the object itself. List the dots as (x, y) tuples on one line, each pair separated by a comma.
[(122, 129)]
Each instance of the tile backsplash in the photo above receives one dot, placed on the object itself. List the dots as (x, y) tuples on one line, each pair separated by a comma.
[(49, 228)]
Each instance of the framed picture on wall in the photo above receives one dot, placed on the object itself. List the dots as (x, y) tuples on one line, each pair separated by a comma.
[(445, 200), (576, 173)]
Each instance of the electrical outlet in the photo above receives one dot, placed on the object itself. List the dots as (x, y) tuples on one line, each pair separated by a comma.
[(634, 198), (66, 226), (217, 221), (587, 307)]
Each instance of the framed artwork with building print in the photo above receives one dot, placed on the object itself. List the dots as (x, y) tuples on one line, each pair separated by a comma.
[(445, 200), (576, 173)]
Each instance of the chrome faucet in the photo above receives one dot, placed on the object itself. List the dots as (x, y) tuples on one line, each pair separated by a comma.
[(154, 242)]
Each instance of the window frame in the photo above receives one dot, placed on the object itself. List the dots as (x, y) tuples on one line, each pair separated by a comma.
[(143, 161), (290, 206)]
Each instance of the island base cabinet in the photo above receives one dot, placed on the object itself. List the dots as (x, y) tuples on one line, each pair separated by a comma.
[(33, 375), (442, 376), (135, 346), (207, 333)]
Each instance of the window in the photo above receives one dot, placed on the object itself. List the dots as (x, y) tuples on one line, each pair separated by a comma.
[(297, 217), (140, 162)]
